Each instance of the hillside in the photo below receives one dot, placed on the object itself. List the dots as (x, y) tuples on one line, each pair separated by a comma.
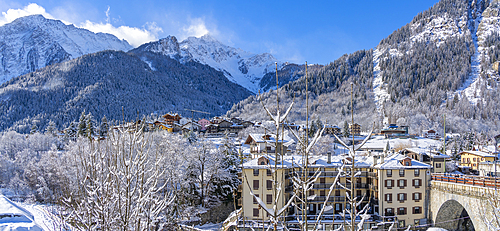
[(442, 62), (102, 83)]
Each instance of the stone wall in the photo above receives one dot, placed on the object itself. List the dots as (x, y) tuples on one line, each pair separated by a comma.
[(450, 201)]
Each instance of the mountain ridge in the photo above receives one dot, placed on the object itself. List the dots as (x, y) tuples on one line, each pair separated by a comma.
[(32, 42)]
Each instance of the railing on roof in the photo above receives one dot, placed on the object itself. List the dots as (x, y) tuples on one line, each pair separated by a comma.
[(484, 181)]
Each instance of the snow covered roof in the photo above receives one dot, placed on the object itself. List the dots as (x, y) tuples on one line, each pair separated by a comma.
[(479, 153), (314, 162), (394, 162), (427, 152), (266, 138)]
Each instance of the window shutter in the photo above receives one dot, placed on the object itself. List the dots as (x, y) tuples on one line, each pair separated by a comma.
[(413, 210), (405, 183), (255, 184), (406, 198), (413, 182), (385, 182), (405, 210), (419, 182), (398, 183), (413, 196)]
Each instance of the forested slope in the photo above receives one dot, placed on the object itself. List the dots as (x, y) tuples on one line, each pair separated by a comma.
[(104, 82)]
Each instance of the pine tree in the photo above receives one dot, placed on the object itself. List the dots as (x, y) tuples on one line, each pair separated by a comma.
[(82, 125), (34, 129), (104, 127), (51, 128), (346, 129), (90, 126)]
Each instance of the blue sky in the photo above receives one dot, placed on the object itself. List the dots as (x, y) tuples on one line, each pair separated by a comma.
[(294, 31)]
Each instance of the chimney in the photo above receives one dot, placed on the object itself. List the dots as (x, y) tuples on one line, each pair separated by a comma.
[(381, 159), (329, 158), (375, 159)]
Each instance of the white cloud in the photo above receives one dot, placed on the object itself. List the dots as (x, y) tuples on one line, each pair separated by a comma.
[(133, 35), (196, 28)]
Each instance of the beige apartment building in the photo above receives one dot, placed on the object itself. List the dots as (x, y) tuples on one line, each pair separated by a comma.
[(401, 189), (394, 187)]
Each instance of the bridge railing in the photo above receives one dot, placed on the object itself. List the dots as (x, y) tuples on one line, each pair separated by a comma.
[(484, 181)]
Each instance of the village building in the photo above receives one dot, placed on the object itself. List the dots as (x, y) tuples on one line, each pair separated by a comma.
[(434, 159), (171, 118), (431, 134), (203, 123), (473, 158), (394, 189), (332, 130), (266, 144), (354, 129)]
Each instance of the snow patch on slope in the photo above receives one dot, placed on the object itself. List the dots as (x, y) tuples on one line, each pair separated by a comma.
[(379, 87), (438, 29)]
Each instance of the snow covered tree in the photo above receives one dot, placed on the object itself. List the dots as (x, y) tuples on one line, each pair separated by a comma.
[(82, 125), (103, 127), (51, 128)]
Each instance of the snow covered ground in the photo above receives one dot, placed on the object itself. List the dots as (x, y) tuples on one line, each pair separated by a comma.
[(38, 216)]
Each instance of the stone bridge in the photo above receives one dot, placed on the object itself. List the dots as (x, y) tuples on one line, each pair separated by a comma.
[(459, 202)]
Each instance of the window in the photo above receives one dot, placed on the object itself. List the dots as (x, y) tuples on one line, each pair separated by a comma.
[(389, 183), (402, 223), (402, 211), (417, 183), (269, 184), (416, 222), (358, 193), (254, 200), (417, 210), (401, 197), (474, 159), (269, 198), (417, 172), (255, 184), (255, 212), (268, 172), (389, 172), (438, 165), (401, 183), (417, 196), (322, 193), (338, 207), (388, 197), (389, 212), (311, 192), (321, 180), (401, 172), (255, 172), (482, 158), (337, 193)]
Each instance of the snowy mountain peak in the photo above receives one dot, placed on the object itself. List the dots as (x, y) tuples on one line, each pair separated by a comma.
[(32, 42), (241, 67)]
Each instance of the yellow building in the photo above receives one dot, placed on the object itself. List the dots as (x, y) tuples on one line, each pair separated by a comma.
[(393, 189), (400, 189), (257, 178), (473, 158)]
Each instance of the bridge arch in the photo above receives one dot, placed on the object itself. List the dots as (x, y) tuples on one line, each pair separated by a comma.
[(452, 215)]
